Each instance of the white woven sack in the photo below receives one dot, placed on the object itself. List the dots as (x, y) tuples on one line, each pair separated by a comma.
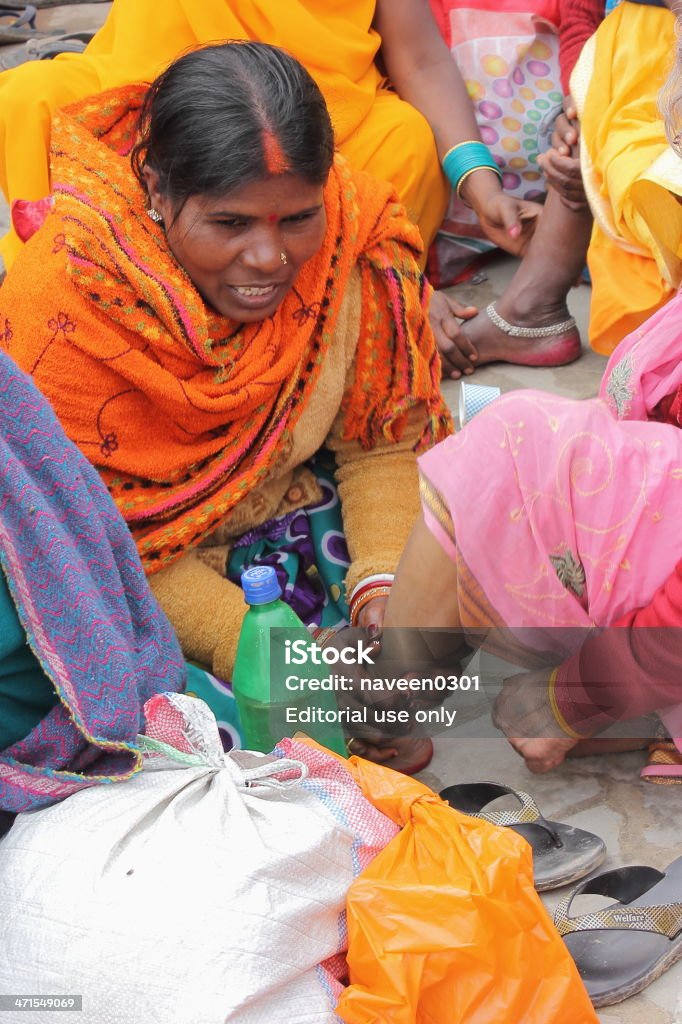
[(200, 893)]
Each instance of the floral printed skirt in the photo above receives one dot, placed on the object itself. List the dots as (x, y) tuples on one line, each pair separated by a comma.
[(307, 549)]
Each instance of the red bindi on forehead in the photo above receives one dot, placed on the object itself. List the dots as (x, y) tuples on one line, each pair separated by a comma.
[(275, 159), (272, 218)]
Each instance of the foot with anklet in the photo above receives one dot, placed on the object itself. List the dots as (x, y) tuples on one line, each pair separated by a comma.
[(540, 339)]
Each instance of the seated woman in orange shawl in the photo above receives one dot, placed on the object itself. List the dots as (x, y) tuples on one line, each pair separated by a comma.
[(205, 324)]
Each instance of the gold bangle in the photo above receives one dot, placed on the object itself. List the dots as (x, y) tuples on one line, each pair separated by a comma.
[(482, 167), (349, 747), (559, 718)]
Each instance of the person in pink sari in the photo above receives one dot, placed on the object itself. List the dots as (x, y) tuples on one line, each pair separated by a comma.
[(560, 518)]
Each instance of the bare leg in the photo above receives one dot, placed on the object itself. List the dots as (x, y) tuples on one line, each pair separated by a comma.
[(423, 595), (536, 295), (424, 592)]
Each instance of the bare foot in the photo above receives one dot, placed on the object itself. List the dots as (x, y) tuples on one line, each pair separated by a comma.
[(523, 711), (494, 344), (542, 755), (406, 754)]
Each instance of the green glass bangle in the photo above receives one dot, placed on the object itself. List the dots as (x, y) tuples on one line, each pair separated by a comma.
[(465, 158)]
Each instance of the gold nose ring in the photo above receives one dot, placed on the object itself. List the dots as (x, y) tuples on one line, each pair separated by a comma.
[(283, 257)]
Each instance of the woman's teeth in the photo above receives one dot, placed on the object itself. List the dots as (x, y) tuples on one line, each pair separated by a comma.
[(254, 291)]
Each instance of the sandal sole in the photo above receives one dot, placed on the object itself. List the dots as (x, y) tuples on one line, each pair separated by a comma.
[(623, 993), (582, 853)]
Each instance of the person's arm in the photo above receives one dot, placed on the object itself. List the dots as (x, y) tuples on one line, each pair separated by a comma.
[(379, 494), (204, 609), (628, 671), (424, 73), (422, 69), (578, 20), (631, 669)]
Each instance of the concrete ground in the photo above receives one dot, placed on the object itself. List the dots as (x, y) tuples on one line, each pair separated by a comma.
[(640, 823)]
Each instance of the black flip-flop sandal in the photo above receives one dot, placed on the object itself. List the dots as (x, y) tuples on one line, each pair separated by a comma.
[(561, 853), (623, 948), (21, 27), (41, 47), (64, 42)]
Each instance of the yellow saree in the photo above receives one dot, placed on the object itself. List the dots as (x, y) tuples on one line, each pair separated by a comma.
[(632, 177), (375, 130)]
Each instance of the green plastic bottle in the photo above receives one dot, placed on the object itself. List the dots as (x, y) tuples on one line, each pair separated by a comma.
[(260, 671)]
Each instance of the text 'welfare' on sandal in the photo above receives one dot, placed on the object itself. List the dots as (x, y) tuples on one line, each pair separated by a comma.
[(623, 948)]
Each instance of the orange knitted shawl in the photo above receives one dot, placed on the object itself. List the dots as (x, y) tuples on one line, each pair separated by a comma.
[(182, 411)]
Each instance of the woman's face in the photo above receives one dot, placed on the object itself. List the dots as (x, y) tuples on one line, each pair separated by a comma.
[(232, 247)]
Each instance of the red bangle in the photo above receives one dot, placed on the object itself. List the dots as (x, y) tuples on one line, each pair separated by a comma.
[(323, 634), (380, 580), (363, 598)]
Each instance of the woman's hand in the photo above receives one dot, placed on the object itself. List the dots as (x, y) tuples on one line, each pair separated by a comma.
[(371, 617), (507, 221), (563, 174), (369, 740), (524, 714), (566, 130), (561, 163), (457, 353)]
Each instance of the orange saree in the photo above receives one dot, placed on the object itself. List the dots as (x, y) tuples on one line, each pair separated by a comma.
[(182, 411)]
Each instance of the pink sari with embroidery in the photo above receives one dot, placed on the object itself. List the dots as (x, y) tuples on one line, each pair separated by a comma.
[(562, 513)]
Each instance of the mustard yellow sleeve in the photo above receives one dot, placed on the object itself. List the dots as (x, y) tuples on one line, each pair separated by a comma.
[(379, 492), (205, 610)]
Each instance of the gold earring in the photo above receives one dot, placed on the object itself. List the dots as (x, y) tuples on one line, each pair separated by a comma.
[(154, 215), (283, 257)]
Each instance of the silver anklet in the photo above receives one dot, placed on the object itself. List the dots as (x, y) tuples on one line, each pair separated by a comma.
[(528, 332)]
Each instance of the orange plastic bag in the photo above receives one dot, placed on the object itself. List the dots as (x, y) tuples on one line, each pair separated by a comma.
[(445, 926)]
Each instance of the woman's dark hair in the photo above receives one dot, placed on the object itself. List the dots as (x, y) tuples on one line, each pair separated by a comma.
[(225, 115)]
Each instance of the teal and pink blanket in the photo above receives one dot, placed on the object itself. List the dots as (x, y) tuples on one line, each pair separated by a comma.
[(82, 597)]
